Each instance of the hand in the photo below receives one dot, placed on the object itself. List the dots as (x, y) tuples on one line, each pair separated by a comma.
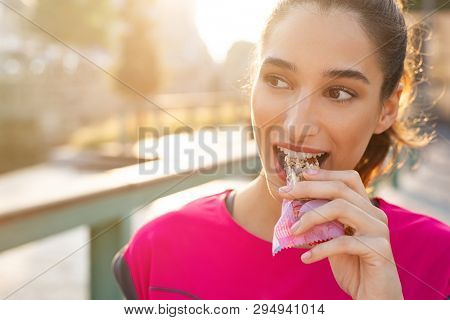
[(362, 264)]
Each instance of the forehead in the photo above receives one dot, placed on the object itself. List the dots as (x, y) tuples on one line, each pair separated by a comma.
[(315, 40)]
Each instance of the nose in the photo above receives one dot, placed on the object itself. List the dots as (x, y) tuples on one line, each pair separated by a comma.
[(300, 119)]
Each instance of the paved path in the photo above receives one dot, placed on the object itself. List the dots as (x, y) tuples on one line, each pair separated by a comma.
[(427, 189)]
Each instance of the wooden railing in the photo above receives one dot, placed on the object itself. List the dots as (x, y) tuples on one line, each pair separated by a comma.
[(105, 201)]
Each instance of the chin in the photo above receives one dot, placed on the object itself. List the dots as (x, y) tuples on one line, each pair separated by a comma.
[(273, 182)]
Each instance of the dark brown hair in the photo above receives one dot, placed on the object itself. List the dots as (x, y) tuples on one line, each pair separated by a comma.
[(400, 60)]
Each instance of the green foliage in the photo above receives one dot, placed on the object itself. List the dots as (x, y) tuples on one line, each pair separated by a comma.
[(421, 4), (22, 143), (138, 65), (85, 23)]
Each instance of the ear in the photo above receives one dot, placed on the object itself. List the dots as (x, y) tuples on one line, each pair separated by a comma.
[(389, 111)]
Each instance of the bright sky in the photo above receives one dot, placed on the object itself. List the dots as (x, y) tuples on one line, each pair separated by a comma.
[(222, 22)]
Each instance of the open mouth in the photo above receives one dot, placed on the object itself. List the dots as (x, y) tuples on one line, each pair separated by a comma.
[(306, 159)]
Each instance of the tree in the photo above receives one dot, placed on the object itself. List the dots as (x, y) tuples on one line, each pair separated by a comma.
[(138, 66), (83, 23)]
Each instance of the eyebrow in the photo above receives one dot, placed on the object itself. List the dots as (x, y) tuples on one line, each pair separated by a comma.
[(280, 63), (331, 73), (346, 73)]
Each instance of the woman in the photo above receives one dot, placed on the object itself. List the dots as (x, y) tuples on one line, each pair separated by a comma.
[(332, 78)]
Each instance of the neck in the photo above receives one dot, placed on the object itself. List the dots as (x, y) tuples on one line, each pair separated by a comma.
[(256, 209)]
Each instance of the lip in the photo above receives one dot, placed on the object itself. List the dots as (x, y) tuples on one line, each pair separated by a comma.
[(299, 148), (280, 171)]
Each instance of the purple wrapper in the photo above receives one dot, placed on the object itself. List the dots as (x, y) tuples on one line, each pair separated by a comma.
[(291, 212)]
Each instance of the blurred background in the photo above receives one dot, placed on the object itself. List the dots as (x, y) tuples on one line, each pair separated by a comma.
[(78, 77)]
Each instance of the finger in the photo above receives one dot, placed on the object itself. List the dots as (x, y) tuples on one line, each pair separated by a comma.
[(373, 250), (344, 212), (331, 190), (350, 177)]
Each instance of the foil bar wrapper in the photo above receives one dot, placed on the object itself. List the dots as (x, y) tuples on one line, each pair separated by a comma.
[(292, 210)]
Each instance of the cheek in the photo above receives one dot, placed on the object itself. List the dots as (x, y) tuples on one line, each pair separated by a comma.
[(263, 109), (266, 111), (351, 136)]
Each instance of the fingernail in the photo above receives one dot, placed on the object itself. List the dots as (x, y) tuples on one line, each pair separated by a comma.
[(311, 171), (306, 255), (285, 188)]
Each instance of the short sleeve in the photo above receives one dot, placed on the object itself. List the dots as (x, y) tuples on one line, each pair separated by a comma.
[(122, 275), (137, 258)]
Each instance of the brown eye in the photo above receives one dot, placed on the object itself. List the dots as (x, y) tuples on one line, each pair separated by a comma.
[(340, 94), (276, 82), (334, 93)]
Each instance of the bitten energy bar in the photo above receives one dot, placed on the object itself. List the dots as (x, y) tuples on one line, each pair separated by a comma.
[(292, 210)]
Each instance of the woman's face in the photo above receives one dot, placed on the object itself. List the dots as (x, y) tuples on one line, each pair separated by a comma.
[(317, 87)]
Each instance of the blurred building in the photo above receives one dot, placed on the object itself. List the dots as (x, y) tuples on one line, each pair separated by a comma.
[(185, 59), (235, 70), (439, 50)]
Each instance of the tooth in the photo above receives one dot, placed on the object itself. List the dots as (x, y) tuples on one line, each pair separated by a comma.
[(296, 156)]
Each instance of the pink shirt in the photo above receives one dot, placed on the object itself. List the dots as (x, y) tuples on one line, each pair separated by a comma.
[(200, 252)]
